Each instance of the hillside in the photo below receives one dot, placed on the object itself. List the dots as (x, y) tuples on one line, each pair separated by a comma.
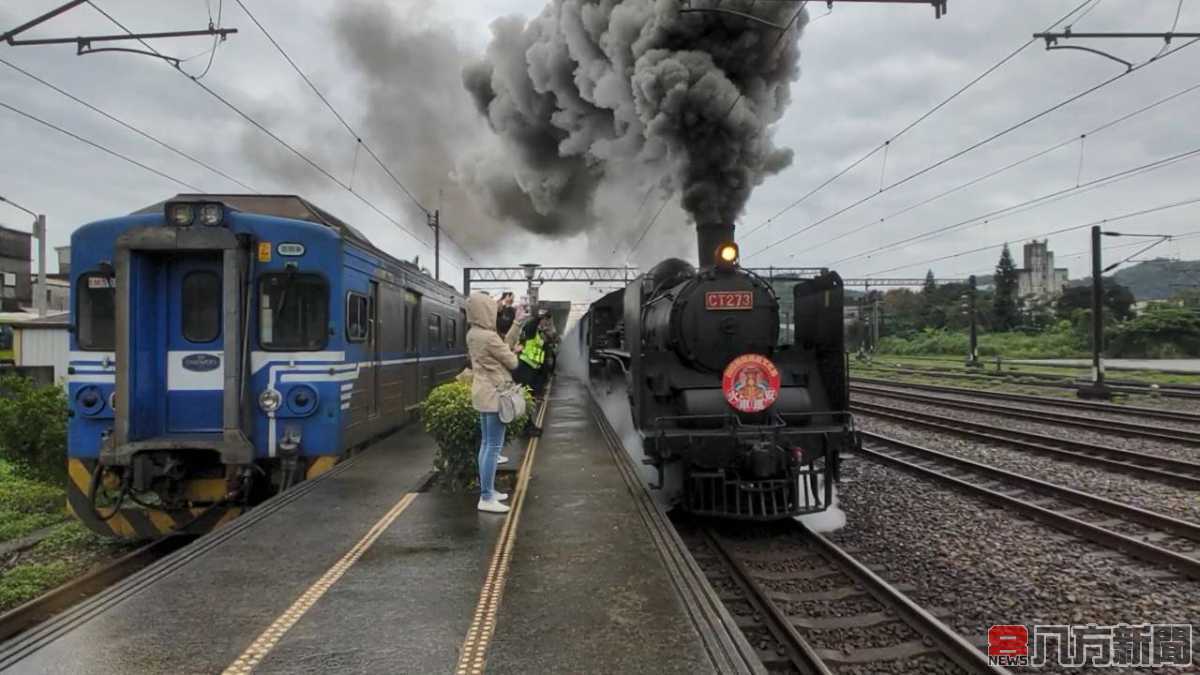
[(1156, 279)]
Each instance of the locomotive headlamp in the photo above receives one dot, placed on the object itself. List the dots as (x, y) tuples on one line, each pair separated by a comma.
[(728, 254), (269, 400), (181, 215), (211, 214)]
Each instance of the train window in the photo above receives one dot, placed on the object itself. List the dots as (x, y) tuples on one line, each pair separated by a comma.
[(96, 312), (200, 307), (293, 311), (358, 319), (412, 303), (435, 331), (451, 333)]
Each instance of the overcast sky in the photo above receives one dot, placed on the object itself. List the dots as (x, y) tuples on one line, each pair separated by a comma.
[(867, 71)]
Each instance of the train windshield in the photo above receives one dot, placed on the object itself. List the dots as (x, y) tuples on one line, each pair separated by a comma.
[(96, 312), (293, 311)]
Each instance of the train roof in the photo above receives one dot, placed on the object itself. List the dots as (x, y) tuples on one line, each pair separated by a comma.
[(294, 207)]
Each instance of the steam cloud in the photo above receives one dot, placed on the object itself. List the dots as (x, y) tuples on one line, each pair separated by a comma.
[(631, 91)]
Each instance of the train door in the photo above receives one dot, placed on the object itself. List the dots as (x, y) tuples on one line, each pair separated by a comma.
[(373, 342), (412, 343), (194, 346)]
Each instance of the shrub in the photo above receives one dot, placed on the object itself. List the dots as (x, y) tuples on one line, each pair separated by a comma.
[(1158, 332), (454, 424), (33, 428)]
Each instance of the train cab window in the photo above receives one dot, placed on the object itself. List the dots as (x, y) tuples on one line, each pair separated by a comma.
[(96, 310), (358, 319), (435, 331), (293, 311), (200, 306)]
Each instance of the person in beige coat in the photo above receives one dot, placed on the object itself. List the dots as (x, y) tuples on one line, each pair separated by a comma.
[(492, 360)]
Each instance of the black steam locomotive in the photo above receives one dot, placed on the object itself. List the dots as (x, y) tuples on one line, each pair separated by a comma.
[(735, 423)]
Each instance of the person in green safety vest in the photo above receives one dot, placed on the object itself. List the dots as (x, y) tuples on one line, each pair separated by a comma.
[(532, 356)]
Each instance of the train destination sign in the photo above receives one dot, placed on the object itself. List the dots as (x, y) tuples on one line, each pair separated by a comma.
[(725, 300), (751, 383)]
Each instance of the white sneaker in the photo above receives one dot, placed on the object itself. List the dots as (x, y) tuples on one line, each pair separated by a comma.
[(501, 460), (492, 506), (500, 496)]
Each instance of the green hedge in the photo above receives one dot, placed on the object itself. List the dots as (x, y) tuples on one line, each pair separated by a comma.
[(454, 423), (33, 428), (1061, 341)]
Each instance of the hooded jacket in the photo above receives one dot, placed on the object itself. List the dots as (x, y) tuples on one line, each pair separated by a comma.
[(491, 358)]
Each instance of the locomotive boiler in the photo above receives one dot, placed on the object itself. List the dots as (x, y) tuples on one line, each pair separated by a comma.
[(742, 424)]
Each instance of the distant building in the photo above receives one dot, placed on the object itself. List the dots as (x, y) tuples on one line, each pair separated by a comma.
[(1039, 278), (15, 253), (58, 292), (64, 259)]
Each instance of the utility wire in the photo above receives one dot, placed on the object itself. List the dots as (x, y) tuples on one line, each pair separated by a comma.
[(268, 132), (357, 137), (1041, 153), (650, 224), (1030, 204), (977, 145), (98, 146), (127, 125), (1073, 228), (853, 165)]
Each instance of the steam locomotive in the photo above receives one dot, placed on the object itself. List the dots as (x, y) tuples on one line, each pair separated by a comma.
[(734, 423)]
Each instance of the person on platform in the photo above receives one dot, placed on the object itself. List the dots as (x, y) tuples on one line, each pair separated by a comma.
[(531, 371), (506, 315), (491, 362)]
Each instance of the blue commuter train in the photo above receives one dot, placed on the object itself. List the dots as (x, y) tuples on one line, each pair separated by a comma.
[(225, 347)]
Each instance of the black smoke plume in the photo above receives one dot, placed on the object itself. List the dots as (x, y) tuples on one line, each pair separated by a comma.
[(632, 92)]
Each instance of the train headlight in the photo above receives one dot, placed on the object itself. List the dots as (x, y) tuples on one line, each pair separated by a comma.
[(90, 400), (269, 400), (727, 254), (211, 214), (181, 214)]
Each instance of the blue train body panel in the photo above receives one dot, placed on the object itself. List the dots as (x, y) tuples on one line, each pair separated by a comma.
[(249, 349)]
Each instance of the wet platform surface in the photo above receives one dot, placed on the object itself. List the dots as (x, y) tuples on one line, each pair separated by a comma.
[(585, 591)]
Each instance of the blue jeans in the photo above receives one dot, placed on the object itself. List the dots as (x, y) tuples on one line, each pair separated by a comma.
[(489, 450)]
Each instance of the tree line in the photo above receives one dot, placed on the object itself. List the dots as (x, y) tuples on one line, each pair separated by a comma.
[(1171, 328)]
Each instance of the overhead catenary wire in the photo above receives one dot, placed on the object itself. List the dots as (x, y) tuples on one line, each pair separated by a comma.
[(976, 145), (1007, 167), (131, 127), (911, 125), (340, 118), (258, 125), (1029, 204), (1062, 230), (98, 146)]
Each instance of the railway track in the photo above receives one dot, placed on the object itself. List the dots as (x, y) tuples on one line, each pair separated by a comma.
[(1161, 540), (1184, 391), (851, 601), (1068, 419), (28, 615), (1164, 469), (1108, 408)]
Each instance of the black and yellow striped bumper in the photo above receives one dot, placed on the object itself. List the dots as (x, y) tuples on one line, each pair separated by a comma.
[(135, 522)]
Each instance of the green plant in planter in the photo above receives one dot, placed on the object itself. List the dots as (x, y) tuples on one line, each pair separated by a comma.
[(453, 422)]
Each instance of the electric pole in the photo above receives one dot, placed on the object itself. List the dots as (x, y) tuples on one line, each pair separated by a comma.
[(39, 291), (972, 299), (1097, 389), (432, 219)]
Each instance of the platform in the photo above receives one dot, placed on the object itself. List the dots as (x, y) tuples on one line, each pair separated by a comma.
[(358, 572)]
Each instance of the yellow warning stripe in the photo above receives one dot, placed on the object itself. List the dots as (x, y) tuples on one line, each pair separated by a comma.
[(265, 642), (483, 622)]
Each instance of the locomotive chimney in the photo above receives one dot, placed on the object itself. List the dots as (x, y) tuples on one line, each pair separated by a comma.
[(709, 237)]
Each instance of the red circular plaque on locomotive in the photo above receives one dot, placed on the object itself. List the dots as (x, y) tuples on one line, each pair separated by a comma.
[(751, 383)]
